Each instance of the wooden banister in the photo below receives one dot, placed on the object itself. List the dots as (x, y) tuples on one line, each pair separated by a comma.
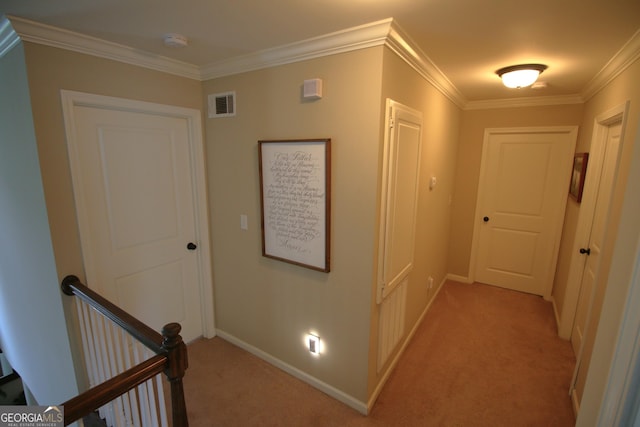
[(171, 358), (71, 285), (85, 403), (176, 367)]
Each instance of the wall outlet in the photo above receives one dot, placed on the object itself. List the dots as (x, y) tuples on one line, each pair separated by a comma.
[(430, 283)]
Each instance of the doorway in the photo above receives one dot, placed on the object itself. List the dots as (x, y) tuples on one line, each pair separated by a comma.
[(520, 207), (139, 188), (585, 285)]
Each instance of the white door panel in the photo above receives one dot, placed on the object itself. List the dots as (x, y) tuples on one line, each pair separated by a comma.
[(521, 205), (399, 203), (136, 191)]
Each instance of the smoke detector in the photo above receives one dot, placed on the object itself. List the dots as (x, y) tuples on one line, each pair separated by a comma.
[(175, 40)]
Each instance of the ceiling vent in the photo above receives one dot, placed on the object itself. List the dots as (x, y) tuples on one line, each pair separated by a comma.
[(222, 105)]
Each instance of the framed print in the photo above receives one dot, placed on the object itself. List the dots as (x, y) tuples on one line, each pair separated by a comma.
[(295, 200), (577, 176)]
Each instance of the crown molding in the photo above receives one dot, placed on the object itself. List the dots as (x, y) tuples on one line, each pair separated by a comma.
[(36, 32), (403, 46), (355, 38), (531, 101), (627, 55), (384, 32), (8, 37)]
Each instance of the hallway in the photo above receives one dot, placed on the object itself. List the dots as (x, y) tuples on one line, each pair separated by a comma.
[(483, 356)]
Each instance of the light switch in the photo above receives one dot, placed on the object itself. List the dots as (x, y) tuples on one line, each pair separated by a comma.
[(432, 182), (243, 222)]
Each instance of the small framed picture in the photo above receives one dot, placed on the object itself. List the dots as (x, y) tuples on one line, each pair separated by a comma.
[(577, 176)]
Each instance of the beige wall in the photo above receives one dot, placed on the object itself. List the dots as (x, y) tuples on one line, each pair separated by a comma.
[(49, 70), (269, 304), (474, 122), (33, 333), (626, 87), (441, 122)]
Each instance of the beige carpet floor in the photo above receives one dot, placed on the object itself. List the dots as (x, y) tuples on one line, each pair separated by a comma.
[(483, 356)]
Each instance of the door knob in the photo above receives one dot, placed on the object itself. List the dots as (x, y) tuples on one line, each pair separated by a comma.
[(191, 246), (485, 219), (585, 251)]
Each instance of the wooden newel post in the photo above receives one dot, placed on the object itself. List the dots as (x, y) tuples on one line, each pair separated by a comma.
[(177, 365)]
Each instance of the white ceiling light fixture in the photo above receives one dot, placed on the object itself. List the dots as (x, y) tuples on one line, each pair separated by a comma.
[(518, 76), (175, 40)]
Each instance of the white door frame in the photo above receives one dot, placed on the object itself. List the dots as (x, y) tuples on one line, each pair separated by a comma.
[(611, 395), (476, 228), (71, 99), (587, 209)]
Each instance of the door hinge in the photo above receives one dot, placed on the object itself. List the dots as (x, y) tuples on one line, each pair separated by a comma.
[(391, 122)]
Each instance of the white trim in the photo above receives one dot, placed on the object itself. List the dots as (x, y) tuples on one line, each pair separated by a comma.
[(384, 32), (47, 35), (532, 101), (8, 37), (71, 99), (575, 403), (394, 362), (402, 45), (627, 55), (361, 37), (292, 370), (556, 314), (458, 278)]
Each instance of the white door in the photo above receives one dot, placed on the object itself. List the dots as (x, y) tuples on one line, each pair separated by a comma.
[(598, 232), (134, 187), (521, 200), (399, 204)]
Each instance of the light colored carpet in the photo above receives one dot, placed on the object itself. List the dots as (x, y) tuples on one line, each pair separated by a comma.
[(483, 356)]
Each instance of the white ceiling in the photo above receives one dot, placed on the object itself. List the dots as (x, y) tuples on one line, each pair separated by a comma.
[(467, 39)]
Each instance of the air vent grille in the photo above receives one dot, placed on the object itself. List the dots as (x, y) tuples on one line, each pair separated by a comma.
[(222, 104)]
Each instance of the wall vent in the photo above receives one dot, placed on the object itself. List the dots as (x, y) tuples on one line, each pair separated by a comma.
[(222, 104)]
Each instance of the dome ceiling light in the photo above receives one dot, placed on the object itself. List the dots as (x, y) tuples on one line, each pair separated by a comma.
[(518, 76)]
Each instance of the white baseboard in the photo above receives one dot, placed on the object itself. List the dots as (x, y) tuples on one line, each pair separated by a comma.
[(575, 403), (339, 395), (394, 362), (461, 279), (555, 312), (291, 370)]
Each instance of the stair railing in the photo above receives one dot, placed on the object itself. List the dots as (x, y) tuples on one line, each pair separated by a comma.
[(124, 359)]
